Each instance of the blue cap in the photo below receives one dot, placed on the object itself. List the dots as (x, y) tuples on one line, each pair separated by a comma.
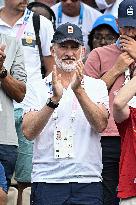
[(127, 13), (106, 19)]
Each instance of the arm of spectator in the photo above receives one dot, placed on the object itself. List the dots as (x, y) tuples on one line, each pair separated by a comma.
[(120, 105), (122, 64), (12, 84), (35, 121), (15, 89)]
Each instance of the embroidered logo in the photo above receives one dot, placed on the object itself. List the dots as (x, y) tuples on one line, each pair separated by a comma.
[(130, 11), (70, 29)]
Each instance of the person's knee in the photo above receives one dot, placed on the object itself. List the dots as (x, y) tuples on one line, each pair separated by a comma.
[(3, 197)]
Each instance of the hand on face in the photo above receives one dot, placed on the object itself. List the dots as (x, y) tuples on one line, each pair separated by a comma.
[(2, 55), (123, 62), (57, 85), (78, 76), (128, 45)]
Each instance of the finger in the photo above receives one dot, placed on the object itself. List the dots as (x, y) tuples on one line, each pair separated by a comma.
[(54, 74), (80, 66), (126, 37), (2, 47)]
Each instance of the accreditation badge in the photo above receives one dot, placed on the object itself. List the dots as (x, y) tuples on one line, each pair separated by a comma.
[(63, 144)]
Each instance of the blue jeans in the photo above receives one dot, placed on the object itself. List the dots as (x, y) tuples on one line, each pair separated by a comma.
[(67, 194), (3, 182), (8, 156), (110, 172)]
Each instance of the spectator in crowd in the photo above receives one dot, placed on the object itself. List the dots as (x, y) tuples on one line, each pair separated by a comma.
[(16, 20), (12, 87), (110, 6), (109, 63), (77, 13), (3, 186), (44, 10), (61, 174), (104, 32), (124, 111)]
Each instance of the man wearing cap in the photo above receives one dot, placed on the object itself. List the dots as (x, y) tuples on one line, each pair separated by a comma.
[(66, 169), (111, 63)]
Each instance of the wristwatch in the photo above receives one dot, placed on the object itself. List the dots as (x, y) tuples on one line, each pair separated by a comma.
[(51, 104), (3, 73)]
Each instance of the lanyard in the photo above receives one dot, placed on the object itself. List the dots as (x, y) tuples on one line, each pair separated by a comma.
[(80, 21), (25, 21)]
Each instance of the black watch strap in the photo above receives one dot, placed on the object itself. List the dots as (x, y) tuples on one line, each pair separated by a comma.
[(51, 104), (3, 73)]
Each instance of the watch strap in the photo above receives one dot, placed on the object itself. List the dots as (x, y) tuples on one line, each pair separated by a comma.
[(51, 104), (3, 73)]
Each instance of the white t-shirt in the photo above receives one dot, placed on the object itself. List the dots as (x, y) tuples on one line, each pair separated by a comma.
[(111, 8), (86, 166), (89, 17), (31, 52)]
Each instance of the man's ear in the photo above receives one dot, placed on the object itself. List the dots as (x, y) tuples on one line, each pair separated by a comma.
[(52, 49)]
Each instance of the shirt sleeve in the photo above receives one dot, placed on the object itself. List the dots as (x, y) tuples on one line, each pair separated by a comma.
[(92, 65), (31, 101), (46, 35), (102, 94), (18, 67)]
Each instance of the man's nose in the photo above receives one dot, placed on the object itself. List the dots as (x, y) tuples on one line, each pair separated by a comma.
[(69, 52)]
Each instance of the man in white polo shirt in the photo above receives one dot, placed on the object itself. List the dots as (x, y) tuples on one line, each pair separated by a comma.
[(65, 126)]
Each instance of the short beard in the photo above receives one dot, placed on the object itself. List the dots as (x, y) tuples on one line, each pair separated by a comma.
[(64, 65)]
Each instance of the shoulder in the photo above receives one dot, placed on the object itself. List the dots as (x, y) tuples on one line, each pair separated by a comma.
[(93, 82), (55, 7), (8, 39), (91, 10)]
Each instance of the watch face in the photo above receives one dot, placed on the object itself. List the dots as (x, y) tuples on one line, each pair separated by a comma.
[(48, 101), (3, 73)]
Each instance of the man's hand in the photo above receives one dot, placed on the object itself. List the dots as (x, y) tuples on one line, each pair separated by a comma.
[(57, 85), (123, 62), (128, 45), (78, 76), (2, 55)]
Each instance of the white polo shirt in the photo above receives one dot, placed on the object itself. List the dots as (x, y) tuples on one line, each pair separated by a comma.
[(89, 17), (86, 165)]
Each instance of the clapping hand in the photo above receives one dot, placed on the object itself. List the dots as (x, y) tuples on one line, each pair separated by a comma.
[(57, 85), (2, 55), (78, 76), (128, 45)]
